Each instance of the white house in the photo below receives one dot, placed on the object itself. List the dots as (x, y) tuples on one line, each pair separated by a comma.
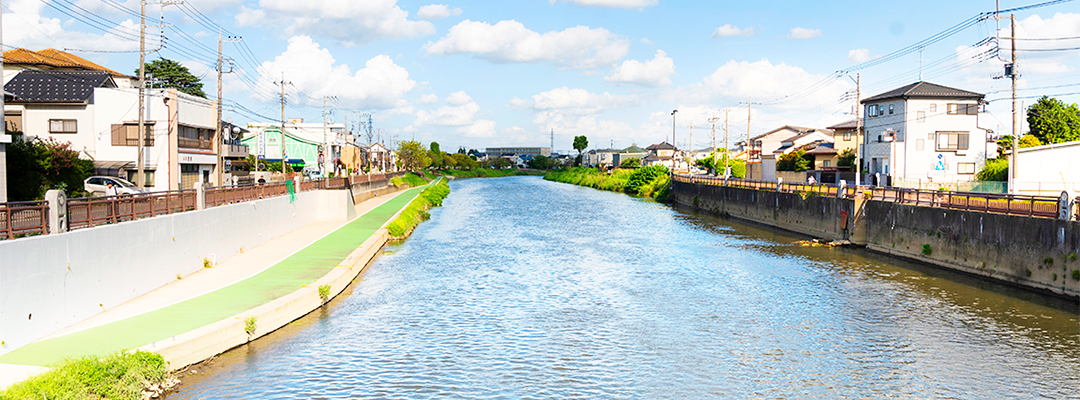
[(599, 157), (924, 133), (100, 120)]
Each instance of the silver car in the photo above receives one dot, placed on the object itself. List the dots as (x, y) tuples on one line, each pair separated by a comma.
[(98, 185)]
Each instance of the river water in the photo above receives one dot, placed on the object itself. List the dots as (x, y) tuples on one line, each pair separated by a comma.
[(523, 288)]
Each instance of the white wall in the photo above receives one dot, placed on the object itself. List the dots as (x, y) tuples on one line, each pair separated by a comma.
[(1047, 170), (65, 278)]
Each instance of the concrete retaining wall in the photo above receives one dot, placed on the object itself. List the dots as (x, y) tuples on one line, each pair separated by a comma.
[(815, 216), (50, 282), (1034, 253)]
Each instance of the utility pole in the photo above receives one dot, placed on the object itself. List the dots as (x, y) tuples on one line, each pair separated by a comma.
[(4, 138), (281, 143), (691, 147), (326, 144), (220, 137), (552, 139), (858, 129), (727, 151), (712, 150), (140, 164), (1012, 70), (676, 152)]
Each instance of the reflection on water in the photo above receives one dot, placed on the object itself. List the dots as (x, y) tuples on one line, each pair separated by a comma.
[(522, 288)]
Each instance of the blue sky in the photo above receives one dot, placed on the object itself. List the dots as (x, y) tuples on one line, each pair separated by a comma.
[(478, 74)]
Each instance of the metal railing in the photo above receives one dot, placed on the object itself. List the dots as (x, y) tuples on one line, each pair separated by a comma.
[(1031, 206), (23, 218), (32, 217), (88, 212)]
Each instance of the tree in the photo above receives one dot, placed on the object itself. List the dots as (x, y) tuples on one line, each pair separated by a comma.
[(540, 162), (796, 161), (846, 159), (171, 74), (580, 143), (35, 166), (717, 161), (412, 156), (632, 162), (1052, 121), (464, 161), (436, 156)]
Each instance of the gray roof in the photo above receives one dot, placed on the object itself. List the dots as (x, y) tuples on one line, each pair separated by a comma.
[(791, 127), (31, 86), (662, 146), (845, 125), (925, 90), (807, 133)]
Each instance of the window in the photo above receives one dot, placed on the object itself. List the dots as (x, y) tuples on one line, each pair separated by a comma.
[(847, 136), (147, 175), (872, 110), (933, 107), (63, 126), (196, 138), (965, 168), (963, 109), (920, 144), (952, 141), (921, 117), (128, 135), (891, 108), (826, 163)]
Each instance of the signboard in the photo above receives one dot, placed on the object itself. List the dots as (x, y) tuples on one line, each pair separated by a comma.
[(940, 165), (260, 144)]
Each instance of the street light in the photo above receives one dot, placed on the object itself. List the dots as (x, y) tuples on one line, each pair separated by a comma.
[(674, 154)]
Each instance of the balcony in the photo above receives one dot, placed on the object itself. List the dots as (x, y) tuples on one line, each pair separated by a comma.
[(234, 150)]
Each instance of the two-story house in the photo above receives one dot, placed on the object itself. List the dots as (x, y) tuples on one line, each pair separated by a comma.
[(662, 153), (921, 133), (600, 158), (87, 109)]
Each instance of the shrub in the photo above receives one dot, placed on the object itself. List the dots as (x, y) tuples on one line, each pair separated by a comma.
[(996, 169), (324, 292), (1076, 274), (644, 176), (416, 211), (630, 163), (122, 375), (926, 249), (250, 325)]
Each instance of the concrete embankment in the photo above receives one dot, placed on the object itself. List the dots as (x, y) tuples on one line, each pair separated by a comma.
[(1034, 253), (217, 314)]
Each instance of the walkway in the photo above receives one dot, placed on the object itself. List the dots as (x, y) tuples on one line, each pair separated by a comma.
[(239, 287)]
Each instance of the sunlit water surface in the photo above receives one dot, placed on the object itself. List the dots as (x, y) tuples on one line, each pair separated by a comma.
[(522, 288)]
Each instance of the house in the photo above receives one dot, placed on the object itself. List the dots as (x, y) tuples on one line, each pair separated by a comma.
[(599, 157), (18, 60), (760, 163), (924, 132), (628, 153), (100, 120), (662, 153), (303, 142)]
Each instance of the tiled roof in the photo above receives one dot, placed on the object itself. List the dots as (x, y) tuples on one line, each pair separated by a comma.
[(845, 125), (790, 127), (661, 146), (55, 59), (57, 86), (925, 90)]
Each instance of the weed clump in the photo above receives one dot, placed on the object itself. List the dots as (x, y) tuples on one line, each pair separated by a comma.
[(123, 375), (926, 249)]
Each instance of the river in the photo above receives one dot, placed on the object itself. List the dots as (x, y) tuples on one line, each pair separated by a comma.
[(523, 288)]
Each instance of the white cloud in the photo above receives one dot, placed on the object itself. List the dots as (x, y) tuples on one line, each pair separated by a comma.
[(628, 4), (459, 111), (429, 98), (761, 79), (510, 42), (859, 56), (803, 33), (381, 84), (1045, 62), (437, 11), (655, 72), (576, 111), (646, 41), (27, 26), (731, 30), (480, 129), (350, 22)]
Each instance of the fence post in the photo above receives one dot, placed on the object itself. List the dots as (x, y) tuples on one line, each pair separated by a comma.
[(58, 222), (200, 196)]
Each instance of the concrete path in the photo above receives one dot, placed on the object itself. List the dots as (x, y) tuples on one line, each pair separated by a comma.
[(238, 284)]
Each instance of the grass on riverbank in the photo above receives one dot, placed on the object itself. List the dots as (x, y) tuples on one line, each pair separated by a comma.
[(417, 210), (484, 173), (652, 181), (122, 375), (411, 179)]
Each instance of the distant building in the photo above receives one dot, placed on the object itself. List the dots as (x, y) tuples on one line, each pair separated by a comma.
[(303, 142), (630, 152), (662, 153), (599, 157), (519, 151)]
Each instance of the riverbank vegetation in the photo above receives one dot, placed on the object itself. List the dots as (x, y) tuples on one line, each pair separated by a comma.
[(485, 172), (124, 375), (653, 181), (417, 210), (411, 179)]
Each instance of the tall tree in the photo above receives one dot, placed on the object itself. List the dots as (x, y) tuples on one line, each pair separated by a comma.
[(580, 143), (1052, 121), (436, 156), (412, 156), (171, 74)]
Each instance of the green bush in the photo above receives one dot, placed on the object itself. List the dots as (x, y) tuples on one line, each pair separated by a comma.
[(122, 375), (416, 211), (632, 162), (926, 249), (1076, 274), (35, 166), (644, 176), (996, 169)]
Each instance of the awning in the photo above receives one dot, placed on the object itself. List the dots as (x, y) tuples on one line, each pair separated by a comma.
[(113, 164)]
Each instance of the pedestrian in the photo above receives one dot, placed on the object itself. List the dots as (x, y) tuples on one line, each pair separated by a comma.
[(110, 189), (811, 180)]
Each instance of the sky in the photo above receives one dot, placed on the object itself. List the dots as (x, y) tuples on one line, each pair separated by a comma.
[(479, 74)]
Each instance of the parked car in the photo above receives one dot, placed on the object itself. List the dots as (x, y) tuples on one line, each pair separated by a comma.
[(97, 185)]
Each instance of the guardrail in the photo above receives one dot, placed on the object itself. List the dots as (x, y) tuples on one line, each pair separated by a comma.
[(1031, 206), (23, 218), (26, 218)]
